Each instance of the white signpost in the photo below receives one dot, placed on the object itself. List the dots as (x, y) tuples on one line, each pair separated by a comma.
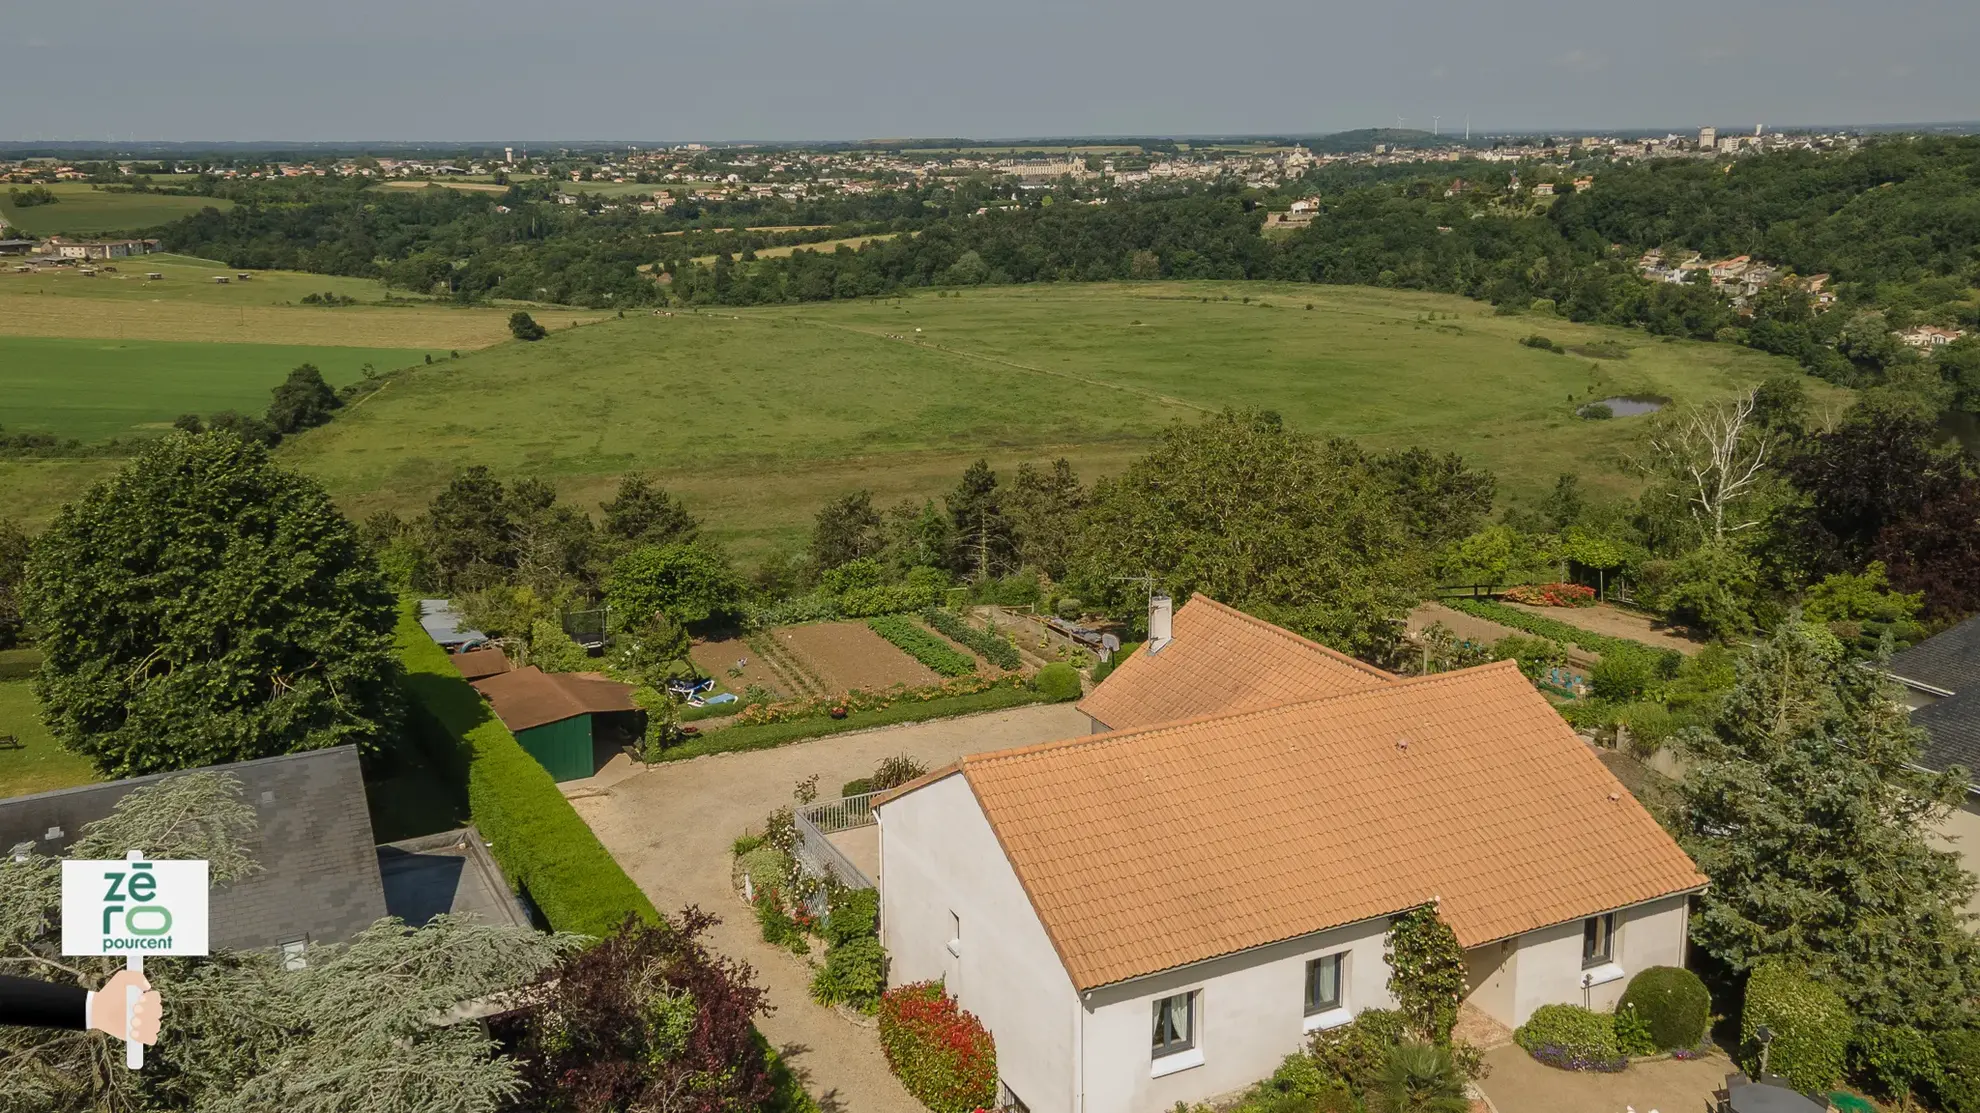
[(133, 907)]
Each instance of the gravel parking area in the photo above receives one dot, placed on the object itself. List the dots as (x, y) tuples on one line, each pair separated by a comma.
[(670, 828), (1519, 1084)]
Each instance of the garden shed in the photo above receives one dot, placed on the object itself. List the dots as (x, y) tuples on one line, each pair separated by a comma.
[(563, 719)]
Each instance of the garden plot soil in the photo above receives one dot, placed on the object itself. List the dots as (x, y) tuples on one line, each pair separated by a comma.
[(717, 656), (847, 655)]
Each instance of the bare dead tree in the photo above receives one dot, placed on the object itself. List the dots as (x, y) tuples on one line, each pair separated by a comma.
[(1715, 458)]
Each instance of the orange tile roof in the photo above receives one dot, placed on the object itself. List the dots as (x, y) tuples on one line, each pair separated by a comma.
[(530, 697), (1221, 660), (1149, 849)]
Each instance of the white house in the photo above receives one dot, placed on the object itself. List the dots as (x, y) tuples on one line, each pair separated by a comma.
[(1163, 911)]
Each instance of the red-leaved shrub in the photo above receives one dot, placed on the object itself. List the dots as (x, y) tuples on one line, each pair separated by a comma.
[(941, 1054), (1552, 595)]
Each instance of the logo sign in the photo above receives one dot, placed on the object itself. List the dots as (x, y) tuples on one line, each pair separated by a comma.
[(133, 907)]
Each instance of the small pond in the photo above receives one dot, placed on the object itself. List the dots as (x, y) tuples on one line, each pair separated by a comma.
[(1634, 405)]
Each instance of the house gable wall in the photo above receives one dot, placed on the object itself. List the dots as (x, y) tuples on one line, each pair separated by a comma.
[(1250, 1015), (1549, 961), (938, 856)]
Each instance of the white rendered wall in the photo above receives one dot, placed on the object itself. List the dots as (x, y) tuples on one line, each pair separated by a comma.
[(1549, 964)]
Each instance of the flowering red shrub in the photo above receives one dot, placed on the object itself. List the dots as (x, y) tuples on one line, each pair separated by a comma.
[(941, 1054), (1552, 595)]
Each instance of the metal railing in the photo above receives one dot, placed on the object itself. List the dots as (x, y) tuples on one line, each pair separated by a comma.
[(817, 854)]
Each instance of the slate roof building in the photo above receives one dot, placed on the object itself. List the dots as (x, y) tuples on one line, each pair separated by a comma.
[(1161, 912), (318, 880), (1941, 684)]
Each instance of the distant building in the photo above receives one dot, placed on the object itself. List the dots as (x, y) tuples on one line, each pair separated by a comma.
[(64, 248), (1708, 138), (1930, 338), (16, 247)]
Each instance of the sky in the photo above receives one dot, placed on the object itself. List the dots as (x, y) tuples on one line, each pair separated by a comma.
[(712, 70)]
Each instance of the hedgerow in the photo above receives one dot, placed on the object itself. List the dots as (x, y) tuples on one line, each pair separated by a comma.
[(542, 845), (923, 646), (995, 648), (942, 1055), (1810, 1023)]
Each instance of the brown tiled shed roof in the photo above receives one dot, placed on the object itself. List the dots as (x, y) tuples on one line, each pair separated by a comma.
[(1220, 660), (478, 663), (1150, 849), (530, 697)]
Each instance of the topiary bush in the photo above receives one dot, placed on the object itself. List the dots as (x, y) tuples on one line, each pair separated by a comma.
[(1057, 682), (1571, 1038), (1810, 1022), (1672, 1002), (942, 1055)]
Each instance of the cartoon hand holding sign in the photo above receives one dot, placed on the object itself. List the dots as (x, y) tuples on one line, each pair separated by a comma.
[(132, 908)]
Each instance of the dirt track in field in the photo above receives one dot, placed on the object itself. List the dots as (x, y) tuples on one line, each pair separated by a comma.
[(848, 655)]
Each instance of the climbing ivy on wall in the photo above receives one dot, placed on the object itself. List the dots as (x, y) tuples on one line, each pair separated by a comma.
[(1426, 972)]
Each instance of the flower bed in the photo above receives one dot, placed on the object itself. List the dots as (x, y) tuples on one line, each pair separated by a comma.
[(942, 1055), (908, 636), (1552, 595)]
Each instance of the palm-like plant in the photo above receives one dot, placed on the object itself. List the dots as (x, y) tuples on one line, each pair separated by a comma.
[(1420, 1078)]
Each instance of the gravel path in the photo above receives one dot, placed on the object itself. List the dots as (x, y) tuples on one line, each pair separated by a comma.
[(1519, 1084), (670, 828)]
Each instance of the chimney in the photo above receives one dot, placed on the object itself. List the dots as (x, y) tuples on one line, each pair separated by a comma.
[(1158, 622)]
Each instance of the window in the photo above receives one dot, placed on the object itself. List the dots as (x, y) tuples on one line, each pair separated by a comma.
[(1175, 1024), (1323, 984), (1598, 940)]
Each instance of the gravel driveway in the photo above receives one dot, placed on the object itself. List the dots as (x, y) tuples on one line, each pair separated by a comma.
[(670, 829)]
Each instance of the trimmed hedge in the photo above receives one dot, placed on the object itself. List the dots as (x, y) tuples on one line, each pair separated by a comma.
[(923, 646), (1811, 1026), (767, 735), (1057, 682), (942, 1055), (995, 648), (1673, 1003), (543, 847), (1958, 1084), (1571, 1038)]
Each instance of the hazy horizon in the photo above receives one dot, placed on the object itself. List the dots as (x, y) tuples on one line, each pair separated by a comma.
[(796, 71)]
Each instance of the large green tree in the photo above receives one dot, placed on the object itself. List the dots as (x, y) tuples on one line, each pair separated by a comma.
[(303, 401), (13, 568), (1275, 522), (1809, 813), (643, 514), (204, 606), (688, 584)]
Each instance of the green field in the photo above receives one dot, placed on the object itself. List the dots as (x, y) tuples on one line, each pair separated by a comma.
[(758, 416), (186, 279), (82, 210), (40, 765), (95, 389)]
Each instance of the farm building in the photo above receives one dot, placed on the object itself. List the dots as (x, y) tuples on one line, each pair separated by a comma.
[(1157, 915), (64, 248), (563, 718)]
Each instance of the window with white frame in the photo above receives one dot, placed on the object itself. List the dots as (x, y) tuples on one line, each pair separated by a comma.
[(1598, 940), (1175, 1024), (1323, 983)]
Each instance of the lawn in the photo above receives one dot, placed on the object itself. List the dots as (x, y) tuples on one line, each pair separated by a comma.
[(41, 765), (82, 210), (824, 246), (95, 389)]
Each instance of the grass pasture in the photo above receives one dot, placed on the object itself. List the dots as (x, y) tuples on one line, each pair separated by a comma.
[(40, 765), (95, 389), (758, 416), (783, 251), (82, 210), (185, 279), (447, 183)]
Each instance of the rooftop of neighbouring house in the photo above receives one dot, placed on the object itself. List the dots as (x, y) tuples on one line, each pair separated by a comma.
[(1945, 663), (1219, 659), (1148, 849), (318, 875), (529, 697)]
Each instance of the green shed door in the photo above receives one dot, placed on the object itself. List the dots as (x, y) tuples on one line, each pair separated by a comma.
[(562, 747)]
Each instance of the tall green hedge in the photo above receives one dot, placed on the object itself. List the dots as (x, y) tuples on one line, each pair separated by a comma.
[(542, 845), (1810, 1022)]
